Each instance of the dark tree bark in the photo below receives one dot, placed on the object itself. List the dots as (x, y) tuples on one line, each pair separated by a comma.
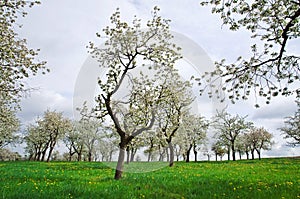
[(233, 150), (258, 153), (127, 155), (240, 154), (161, 154), (171, 160), (252, 154), (133, 152), (247, 154), (228, 152), (188, 153), (90, 156), (195, 152), (167, 154)]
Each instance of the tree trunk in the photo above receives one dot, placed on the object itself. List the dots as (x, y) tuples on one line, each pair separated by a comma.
[(79, 156), (171, 162), (188, 153), (240, 154), (149, 156), (133, 152), (184, 156), (167, 154), (128, 155), (52, 145), (120, 164), (228, 152), (37, 156), (258, 153), (150, 149), (252, 154), (247, 154), (161, 157), (50, 152), (233, 151), (90, 156), (195, 153), (110, 156), (161, 154), (70, 155), (42, 158), (216, 157)]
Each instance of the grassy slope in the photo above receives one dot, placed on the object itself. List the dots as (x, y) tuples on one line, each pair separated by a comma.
[(268, 178)]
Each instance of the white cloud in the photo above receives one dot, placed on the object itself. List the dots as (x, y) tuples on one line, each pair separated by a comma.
[(42, 100), (281, 107)]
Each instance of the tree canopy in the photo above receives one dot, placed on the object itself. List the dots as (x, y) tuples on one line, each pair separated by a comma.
[(291, 130), (129, 47), (17, 60), (9, 125), (272, 68)]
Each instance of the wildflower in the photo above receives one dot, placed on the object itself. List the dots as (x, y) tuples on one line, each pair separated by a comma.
[(289, 183)]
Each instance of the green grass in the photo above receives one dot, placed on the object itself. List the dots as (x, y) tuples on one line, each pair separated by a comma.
[(268, 178)]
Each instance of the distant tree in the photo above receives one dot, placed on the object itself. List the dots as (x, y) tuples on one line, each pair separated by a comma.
[(56, 156), (42, 137), (260, 139), (291, 130), (74, 141), (136, 144), (54, 125), (222, 141), (244, 145), (36, 142), (124, 50), (192, 133), (273, 68), (172, 109), (90, 134), (228, 128), (89, 128), (218, 149), (240, 145), (107, 144), (69, 140), (207, 152), (7, 155), (152, 143), (179, 148)]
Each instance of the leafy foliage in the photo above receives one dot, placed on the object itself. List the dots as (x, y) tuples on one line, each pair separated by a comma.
[(291, 130), (229, 127), (258, 139), (272, 69), (42, 137), (191, 134), (128, 47), (17, 61), (9, 125)]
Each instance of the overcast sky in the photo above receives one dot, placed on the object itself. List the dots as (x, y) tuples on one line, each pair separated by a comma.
[(63, 28)]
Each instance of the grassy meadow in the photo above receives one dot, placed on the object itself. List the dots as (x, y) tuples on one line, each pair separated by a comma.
[(268, 178)]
